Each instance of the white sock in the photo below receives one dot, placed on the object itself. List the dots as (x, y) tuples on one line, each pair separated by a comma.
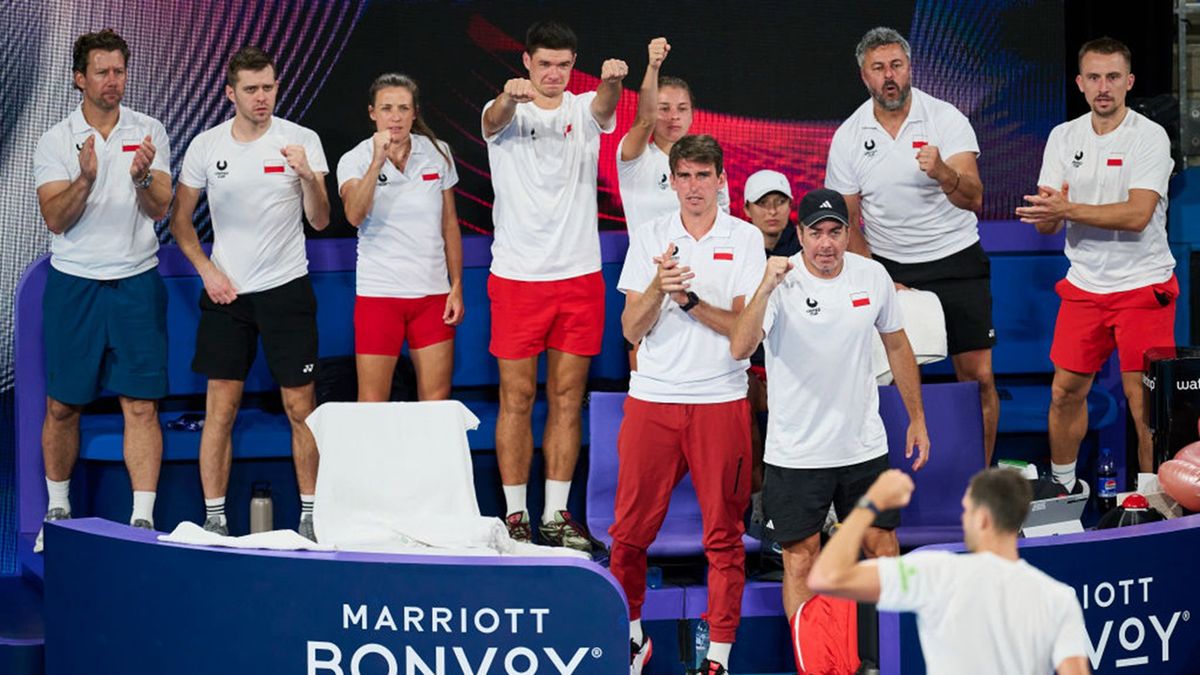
[(306, 506), (635, 631), (719, 652), (514, 498), (60, 494), (557, 492), (143, 506), (215, 508), (1064, 474)]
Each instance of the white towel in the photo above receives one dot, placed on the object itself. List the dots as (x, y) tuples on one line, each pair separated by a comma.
[(275, 540), (925, 326)]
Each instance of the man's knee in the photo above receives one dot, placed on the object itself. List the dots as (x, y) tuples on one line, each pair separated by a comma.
[(1067, 396), (62, 413), (139, 411), (298, 403), (516, 398), (798, 557)]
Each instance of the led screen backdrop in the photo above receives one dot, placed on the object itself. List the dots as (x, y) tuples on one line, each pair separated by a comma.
[(772, 80)]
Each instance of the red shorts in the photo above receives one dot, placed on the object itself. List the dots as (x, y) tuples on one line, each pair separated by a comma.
[(382, 324), (529, 317), (1090, 325)]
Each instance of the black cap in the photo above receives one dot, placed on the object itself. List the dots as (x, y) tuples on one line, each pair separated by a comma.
[(823, 204)]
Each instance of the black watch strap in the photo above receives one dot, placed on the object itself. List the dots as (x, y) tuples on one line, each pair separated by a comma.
[(865, 502), (693, 300)]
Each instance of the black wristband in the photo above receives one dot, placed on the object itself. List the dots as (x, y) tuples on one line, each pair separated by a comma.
[(693, 300), (865, 502)]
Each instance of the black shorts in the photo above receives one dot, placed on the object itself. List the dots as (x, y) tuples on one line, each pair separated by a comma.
[(796, 501), (963, 283), (285, 317)]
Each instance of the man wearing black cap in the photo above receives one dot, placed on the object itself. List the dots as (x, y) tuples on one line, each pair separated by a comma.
[(826, 444)]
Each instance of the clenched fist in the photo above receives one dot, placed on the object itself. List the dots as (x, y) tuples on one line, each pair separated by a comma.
[(658, 49), (613, 70), (520, 90), (298, 160)]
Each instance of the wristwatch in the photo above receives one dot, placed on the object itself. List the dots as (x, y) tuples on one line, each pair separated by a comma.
[(144, 182), (864, 502), (693, 300)]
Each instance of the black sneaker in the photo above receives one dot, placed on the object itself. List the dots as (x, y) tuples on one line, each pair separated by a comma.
[(517, 523), (710, 667)]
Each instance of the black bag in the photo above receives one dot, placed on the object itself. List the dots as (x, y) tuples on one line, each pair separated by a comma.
[(337, 380)]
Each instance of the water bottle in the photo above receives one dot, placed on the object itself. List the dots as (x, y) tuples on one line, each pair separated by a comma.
[(262, 508), (701, 645), (1106, 482), (654, 577)]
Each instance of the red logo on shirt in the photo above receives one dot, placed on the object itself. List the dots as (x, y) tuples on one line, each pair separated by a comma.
[(568, 130), (430, 176), (722, 254), (917, 145), (130, 148), (860, 299), (1115, 161), (272, 166)]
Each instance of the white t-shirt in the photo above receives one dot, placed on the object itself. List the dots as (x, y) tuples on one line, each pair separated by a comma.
[(979, 613), (906, 215), (821, 383), (113, 238), (401, 250), (544, 166), (645, 183), (255, 200), (1102, 170), (681, 360)]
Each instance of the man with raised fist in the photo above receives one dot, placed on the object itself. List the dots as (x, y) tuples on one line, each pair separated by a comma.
[(262, 174), (103, 178), (545, 286)]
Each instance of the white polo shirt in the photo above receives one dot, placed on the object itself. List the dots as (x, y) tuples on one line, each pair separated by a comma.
[(544, 166), (906, 215), (821, 383), (645, 183), (255, 200), (1102, 170), (982, 614), (113, 238), (401, 250), (681, 360)]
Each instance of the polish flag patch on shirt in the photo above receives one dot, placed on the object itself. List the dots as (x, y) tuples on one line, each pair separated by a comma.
[(130, 147), (568, 130), (1115, 161), (860, 299), (430, 176), (722, 253), (917, 145), (272, 166)]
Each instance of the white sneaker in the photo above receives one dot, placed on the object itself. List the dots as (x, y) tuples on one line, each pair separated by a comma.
[(52, 514), (638, 656)]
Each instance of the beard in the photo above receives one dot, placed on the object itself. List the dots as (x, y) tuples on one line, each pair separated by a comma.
[(890, 104)]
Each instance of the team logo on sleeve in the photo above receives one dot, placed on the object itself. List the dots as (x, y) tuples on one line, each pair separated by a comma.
[(723, 253), (1078, 159), (860, 299), (869, 147), (273, 166)]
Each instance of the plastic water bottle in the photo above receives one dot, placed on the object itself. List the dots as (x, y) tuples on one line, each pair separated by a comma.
[(1106, 482), (262, 508), (701, 643)]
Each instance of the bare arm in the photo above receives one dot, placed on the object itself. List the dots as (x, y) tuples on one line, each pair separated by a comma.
[(62, 202), (358, 194), (455, 310), (1049, 208), (156, 198), (908, 381), (500, 113), (218, 286), (608, 94), (720, 320), (639, 134), (1075, 665), (747, 331), (316, 200), (961, 181), (837, 571), (858, 241)]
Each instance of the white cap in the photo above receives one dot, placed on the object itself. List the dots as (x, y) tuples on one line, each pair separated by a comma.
[(761, 182)]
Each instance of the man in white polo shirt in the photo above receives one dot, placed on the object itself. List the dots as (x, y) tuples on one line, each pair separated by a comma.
[(686, 277), (817, 313), (664, 115), (546, 290), (906, 163), (262, 173), (1104, 176), (984, 612), (103, 176)]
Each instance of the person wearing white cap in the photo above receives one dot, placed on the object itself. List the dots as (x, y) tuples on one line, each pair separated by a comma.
[(664, 115), (817, 313), (906, 163), (768, 206)]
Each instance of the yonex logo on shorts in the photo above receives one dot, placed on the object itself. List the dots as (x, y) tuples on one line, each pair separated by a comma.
[(308, 368)]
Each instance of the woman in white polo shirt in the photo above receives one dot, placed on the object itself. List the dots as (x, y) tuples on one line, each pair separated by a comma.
[(398, 190)]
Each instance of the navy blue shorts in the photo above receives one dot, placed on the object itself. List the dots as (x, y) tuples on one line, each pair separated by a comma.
[(108, 334)]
